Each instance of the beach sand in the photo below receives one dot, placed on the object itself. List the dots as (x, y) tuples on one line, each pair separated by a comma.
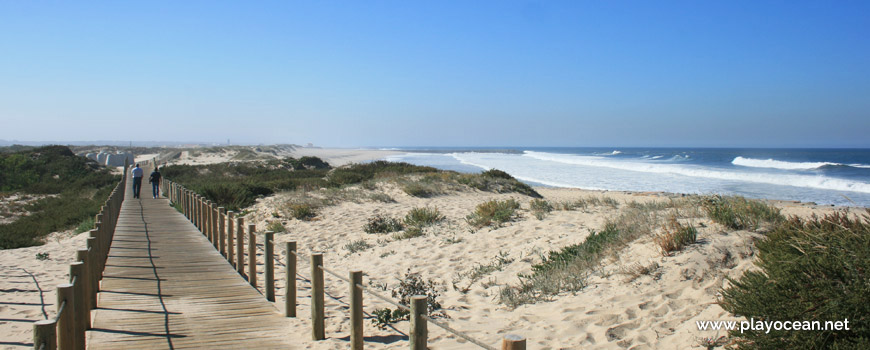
[(619, 308)]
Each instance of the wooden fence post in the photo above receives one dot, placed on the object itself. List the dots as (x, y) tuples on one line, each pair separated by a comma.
[(93, 272), (252, 255), (98, 256), (222, 230), (356, 311), (290, 279), (82, 255), (270, 265), (45, 332), (66, 317), (215, 233), (419, 333), (513, 342), (76, 274), (230, 238), (240, 245), (317, 309)]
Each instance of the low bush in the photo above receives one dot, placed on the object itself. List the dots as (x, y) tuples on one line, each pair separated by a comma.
[(412, 284), (419, 189), (675, 236), (497, 181), (808, 270), (739, 213), (79, 187), (540, 208), (303, 212), (422, 217), (276, 226), (85, 225), (409, 232), (493, 213), (357, 246), (382, 224)]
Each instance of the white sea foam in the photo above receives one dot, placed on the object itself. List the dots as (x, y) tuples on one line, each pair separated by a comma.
[(656, 157), (779, 164), (817, 182)]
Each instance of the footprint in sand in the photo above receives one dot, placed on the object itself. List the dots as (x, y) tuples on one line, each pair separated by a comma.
[(607, 320), (621, 331)]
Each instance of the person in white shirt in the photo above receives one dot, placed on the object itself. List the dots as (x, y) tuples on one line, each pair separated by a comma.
[(137, 180)]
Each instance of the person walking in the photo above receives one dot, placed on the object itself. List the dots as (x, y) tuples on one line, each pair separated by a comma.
[(137, 180), (155, 182)]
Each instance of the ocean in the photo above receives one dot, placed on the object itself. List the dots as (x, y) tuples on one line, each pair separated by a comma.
[(823, 176)]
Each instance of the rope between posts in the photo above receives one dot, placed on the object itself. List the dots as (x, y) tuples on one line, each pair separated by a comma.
[(457, 333), (333, 273), (60, 311), (437, 323)]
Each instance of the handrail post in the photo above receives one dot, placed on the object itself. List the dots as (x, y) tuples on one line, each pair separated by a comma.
[(317, 308), (209, 222), (93, 272), (270, 265), (252, 255), (356, 310), (231, 238), (513, 342), (82, 255), (65, 319), (45, 332), (290, 279), (98, 254), (240, 246), (419, 333), (78, 309), (222, 229), (215, 233)]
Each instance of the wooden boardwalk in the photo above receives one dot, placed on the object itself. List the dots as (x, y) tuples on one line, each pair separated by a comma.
[(166, 287)]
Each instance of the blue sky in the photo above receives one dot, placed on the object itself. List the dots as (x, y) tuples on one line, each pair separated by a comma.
[(439, 73)]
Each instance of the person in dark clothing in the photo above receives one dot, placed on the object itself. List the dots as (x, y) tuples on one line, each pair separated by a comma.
[(137, 180), (155, 182)]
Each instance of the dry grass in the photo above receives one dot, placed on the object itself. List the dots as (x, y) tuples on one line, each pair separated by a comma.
[(675, 236)]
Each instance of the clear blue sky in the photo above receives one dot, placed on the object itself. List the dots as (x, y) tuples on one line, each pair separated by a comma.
[(439, 73)]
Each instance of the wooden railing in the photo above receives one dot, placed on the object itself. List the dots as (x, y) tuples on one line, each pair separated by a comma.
[(76, 299), (224, 230)]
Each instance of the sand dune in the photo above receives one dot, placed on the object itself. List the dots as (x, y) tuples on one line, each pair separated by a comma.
[(620, 308)]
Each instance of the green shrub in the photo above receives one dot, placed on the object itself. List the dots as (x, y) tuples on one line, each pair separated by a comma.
[(382, 224), (357, 246), (303, 212), (409, 232), (675, 236), (540, 208), (418, 189), (422, 217), (412, 284), (42, 256), (85, 225), (739, 213), (386, 316), (79, 186), (809, 270), (276, 226), (493, 213), (497, 181)]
